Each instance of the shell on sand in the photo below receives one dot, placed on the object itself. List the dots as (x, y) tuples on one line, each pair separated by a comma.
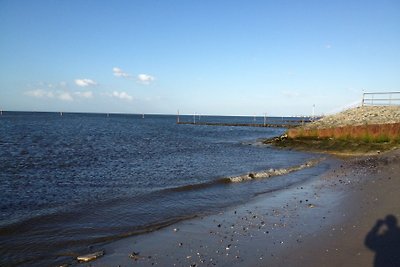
[(91, 256)]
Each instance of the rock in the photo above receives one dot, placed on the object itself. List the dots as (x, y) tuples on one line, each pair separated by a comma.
[(359, 116), (311, 205), (134, 255), (91, 256)]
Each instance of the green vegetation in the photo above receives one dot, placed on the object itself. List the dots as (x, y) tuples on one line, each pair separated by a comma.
[(340, 146)]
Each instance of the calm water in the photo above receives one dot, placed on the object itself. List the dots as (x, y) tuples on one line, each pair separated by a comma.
[(81, 179)]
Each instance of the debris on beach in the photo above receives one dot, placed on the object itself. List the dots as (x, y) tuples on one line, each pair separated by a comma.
[(91, 256), (134, 255)]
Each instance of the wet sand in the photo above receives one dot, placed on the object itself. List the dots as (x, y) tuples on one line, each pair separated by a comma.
[(323, 222)]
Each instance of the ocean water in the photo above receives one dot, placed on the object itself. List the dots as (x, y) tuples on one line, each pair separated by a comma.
[(71, 182)]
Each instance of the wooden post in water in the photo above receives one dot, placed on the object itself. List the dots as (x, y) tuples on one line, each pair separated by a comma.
[(177, 117), (265, 119)]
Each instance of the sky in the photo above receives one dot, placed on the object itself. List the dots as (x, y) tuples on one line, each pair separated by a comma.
[(206, 57)]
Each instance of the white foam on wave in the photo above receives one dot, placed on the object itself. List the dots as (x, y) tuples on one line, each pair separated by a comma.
[(273, 172)]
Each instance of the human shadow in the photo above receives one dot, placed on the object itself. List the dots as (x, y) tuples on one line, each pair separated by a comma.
[(384, 239)]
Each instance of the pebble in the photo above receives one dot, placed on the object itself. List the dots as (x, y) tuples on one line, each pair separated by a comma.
[(134, 255), (91, 256)]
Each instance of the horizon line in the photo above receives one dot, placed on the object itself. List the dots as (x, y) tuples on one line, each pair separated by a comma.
[(156, 114)]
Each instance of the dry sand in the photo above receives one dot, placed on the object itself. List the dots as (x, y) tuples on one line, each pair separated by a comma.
[(322, 222)]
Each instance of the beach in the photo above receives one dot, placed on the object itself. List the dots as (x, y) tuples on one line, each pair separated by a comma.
[(322, 222)]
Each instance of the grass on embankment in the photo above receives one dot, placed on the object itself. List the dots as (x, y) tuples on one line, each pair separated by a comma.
[(344, 147), (347, 140)]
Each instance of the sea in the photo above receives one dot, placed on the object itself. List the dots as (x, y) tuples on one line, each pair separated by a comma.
[(70, 182)]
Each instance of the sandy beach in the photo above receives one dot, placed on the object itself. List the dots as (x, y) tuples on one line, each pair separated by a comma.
[(323, 222)]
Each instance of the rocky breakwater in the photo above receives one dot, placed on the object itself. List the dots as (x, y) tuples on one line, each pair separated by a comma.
[(367, 123)]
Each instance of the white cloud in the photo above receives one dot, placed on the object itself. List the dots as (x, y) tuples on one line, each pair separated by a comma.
[(39, 93), (120, 95), (141, 78), (328, 46), (65, 96), (60, 90), (87, 94), (145, 78), (120, 73), (85, 82)]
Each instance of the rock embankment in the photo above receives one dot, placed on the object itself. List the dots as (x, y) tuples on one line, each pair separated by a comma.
[(365, 115), (368, 123)]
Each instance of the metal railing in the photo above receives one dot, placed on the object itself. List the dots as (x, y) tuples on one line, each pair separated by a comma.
[(381, 99)]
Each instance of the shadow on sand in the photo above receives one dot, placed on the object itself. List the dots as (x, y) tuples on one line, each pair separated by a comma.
[(384, 240)]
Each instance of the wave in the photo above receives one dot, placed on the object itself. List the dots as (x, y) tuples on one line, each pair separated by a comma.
[(273, 172), (249, 176)]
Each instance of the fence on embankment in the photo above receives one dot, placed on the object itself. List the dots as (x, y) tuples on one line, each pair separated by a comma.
[(381, 99)]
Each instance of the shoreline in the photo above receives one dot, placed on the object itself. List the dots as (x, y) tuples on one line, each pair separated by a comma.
[(321, 222), (222, 239)]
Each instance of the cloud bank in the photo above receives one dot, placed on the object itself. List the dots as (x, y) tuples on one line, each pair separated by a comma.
[(120, 95), (58, 94), (85, 82), (40, 93), (87, 94)]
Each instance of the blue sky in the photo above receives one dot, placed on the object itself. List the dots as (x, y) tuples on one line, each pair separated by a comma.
[(209, 57)]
